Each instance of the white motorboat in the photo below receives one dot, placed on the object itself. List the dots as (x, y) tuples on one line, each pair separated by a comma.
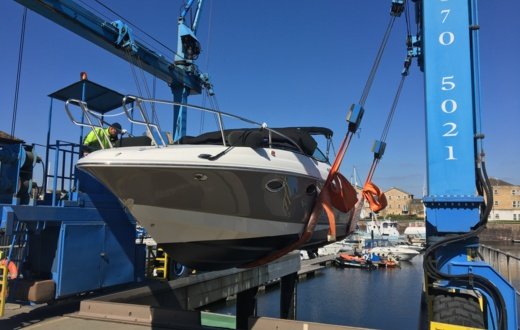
[(222, 199), (399, 252), (383, 229), (416, 230), (337, 247)]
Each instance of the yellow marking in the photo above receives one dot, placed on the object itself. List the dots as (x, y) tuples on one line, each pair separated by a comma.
[(3, 286), (481, 303), (446, 326), (3, 289)]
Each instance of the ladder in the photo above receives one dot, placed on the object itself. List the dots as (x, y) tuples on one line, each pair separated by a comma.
[(161, 266), (157, 263)]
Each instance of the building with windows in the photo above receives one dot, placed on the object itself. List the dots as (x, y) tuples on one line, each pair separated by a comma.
[(399, 201), (506, 201)]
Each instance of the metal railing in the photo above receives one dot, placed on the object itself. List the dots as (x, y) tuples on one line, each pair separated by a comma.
[(130, 99), (506, 264), (95, 122)]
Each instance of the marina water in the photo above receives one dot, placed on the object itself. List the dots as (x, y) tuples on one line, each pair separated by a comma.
[(378, 299), (388, 299)]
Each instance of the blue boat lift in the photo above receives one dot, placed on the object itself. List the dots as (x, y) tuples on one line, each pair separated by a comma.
[(77, 237)]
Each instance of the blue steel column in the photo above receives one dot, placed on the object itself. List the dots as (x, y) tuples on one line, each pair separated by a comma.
[(47, 148), (452, 204), (180, 116)]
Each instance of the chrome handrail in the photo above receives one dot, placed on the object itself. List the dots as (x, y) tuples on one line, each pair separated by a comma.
[(220, 114), (87, 113), (146, 122)]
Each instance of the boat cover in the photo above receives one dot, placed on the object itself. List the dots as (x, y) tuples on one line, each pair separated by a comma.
[(259, 138)]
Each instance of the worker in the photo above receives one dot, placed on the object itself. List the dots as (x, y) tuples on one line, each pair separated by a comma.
[(107, 136)]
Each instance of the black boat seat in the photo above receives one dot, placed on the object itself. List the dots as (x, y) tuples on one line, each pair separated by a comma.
[(134, 141)]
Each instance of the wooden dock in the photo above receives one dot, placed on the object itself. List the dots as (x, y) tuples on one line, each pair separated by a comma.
[(310, 266)]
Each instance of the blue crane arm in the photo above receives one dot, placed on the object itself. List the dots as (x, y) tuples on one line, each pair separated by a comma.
[(185, 11), (117, 38)]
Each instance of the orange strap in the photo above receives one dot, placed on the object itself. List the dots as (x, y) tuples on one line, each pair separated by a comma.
[(375, 197), (338, 194), (324, 203), (11, 269), (342, 194)]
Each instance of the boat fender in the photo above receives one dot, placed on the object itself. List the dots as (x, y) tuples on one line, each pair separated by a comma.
[(375, 197), (12, 270)]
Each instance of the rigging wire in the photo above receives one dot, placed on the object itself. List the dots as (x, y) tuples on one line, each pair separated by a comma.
[(377, 60), (392, 109), (407, 18), (206, 96), (208, 38), (388, 123), (18, 72), (131, 62), (375, 197)]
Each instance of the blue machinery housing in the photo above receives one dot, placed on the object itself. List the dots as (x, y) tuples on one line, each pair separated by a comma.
[(78, 238)]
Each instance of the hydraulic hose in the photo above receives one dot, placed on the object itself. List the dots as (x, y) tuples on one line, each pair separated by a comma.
[(477, 280)]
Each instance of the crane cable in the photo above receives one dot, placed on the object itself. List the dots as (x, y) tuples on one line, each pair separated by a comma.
[(212, 99), (377, 61), (137, 63), (18, 72), (377, 199), (368, 85)]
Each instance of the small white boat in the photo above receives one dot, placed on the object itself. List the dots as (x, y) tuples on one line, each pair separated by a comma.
[(398, 252), (416, 230), (337, 247), (382, 229)]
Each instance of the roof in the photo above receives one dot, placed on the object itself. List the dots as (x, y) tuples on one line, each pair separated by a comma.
[(7, 138), (401, 190), (98, 98), (498, 182)]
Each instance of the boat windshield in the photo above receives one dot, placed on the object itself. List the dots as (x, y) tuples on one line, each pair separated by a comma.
[(320, 156)]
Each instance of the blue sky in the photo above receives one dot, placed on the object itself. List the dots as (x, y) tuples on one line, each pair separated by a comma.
[(283, 62)]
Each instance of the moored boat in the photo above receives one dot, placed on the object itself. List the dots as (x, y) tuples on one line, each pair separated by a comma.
[(382, 229), (354, 261), (398, 252)]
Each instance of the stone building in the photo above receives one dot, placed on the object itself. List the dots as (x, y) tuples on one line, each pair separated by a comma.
[(400, 202), (506, 201)]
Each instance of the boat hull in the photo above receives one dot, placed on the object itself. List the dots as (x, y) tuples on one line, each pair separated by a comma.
[(217, 215)]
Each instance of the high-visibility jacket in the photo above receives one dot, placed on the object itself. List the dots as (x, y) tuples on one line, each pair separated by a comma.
[(92, 141)]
